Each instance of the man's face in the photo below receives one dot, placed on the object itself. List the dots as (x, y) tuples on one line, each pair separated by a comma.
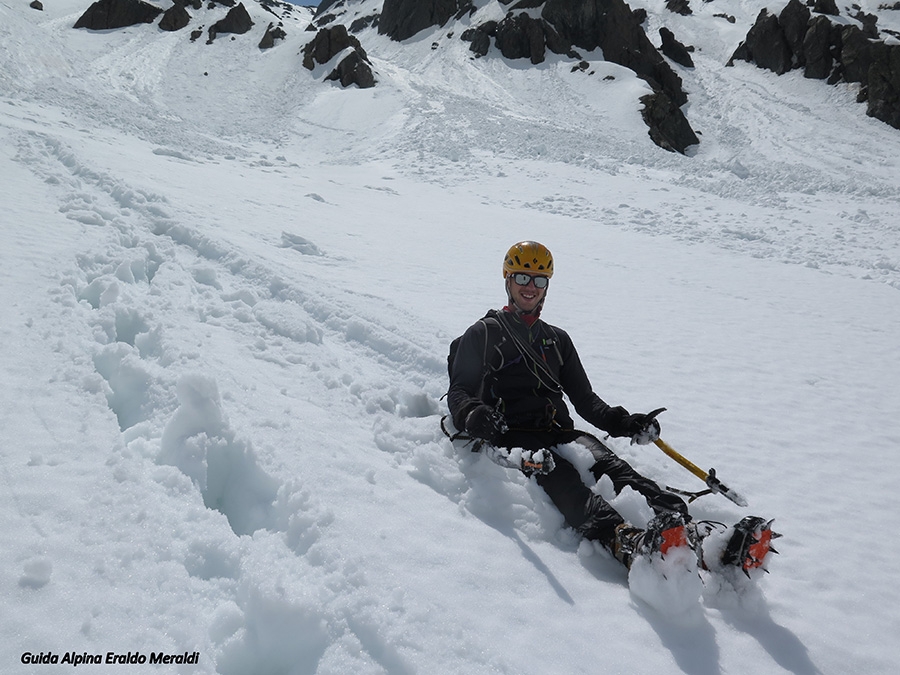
[(526, 297)]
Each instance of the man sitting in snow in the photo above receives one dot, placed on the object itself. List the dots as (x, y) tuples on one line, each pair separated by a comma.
[(508, 374)]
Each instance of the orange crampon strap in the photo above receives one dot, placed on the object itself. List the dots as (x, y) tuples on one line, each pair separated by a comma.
[(673, 538), (757, 551)]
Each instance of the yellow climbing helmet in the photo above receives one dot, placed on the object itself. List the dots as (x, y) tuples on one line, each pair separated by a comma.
[(529, 257)]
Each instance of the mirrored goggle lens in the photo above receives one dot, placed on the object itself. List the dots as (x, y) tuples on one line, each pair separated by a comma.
[(522, 279)]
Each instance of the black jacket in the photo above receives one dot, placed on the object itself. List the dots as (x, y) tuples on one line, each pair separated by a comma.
[(489, 368)]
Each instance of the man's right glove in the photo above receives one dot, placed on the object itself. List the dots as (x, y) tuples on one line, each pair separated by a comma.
[(642, 427), (485, 423)]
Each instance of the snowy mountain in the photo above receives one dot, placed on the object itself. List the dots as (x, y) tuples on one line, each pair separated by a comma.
[(228, 286)]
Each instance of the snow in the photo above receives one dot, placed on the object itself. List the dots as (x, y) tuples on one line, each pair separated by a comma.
[(227, 292)]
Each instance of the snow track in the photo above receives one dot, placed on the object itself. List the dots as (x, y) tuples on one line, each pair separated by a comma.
[(144, 279)]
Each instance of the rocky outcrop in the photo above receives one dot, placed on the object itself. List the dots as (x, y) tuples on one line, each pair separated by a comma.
[(883, 84), (766, 45), (272, 33), (815, 49), (353, 68), (107, 14), (669, 128), (479, 38), (401, 19), (682, 7), (826, 7), (610, 25), (533, 27), (840, 52), (237, 21), (521, 37), (175, 18), (674, 49)]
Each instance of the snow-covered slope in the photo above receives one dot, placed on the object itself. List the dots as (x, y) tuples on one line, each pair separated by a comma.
[(227, 291)]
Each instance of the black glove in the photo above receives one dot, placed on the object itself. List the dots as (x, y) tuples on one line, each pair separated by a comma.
[(642, 427), (485, 423)]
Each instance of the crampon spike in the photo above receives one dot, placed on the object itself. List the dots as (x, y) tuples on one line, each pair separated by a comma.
[(749, 545)]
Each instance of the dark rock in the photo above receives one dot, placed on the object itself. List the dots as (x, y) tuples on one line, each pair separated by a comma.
[(520, 37), (326, 5), (557, 44), (612, 26), (237, 22), (682, 7), (836, 51), (107, 14), (816, 49), (884, 84), (324, 20), (740, 54), (826, 7), (401, 19), (465, 8), (794, 19), (856, 54), (479, 39), (869, 24), (766, 45), (364, 22), (674, 49), (640, 15), (36, 4), (353, 69), (272, 33), (174, 18), (669, 128), (328, 43), (489, 27)]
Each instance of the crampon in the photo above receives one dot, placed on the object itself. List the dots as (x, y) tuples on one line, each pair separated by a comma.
[(750, 544)]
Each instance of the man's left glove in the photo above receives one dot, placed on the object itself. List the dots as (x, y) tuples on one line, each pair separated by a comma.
[(642, 427), (485, 423)]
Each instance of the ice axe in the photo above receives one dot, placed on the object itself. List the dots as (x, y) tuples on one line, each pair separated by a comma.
[(708, 477)]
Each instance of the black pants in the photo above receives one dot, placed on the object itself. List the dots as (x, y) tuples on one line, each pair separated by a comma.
[(585, 511)]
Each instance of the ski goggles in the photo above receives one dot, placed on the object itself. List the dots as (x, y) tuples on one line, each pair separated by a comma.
[(523, 279)]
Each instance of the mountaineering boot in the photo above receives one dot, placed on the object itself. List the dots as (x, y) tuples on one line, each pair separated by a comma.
[(750, 544), (664, 532)]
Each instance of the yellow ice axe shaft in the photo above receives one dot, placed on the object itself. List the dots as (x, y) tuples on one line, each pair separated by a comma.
[(708, 477), (681, 459)]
